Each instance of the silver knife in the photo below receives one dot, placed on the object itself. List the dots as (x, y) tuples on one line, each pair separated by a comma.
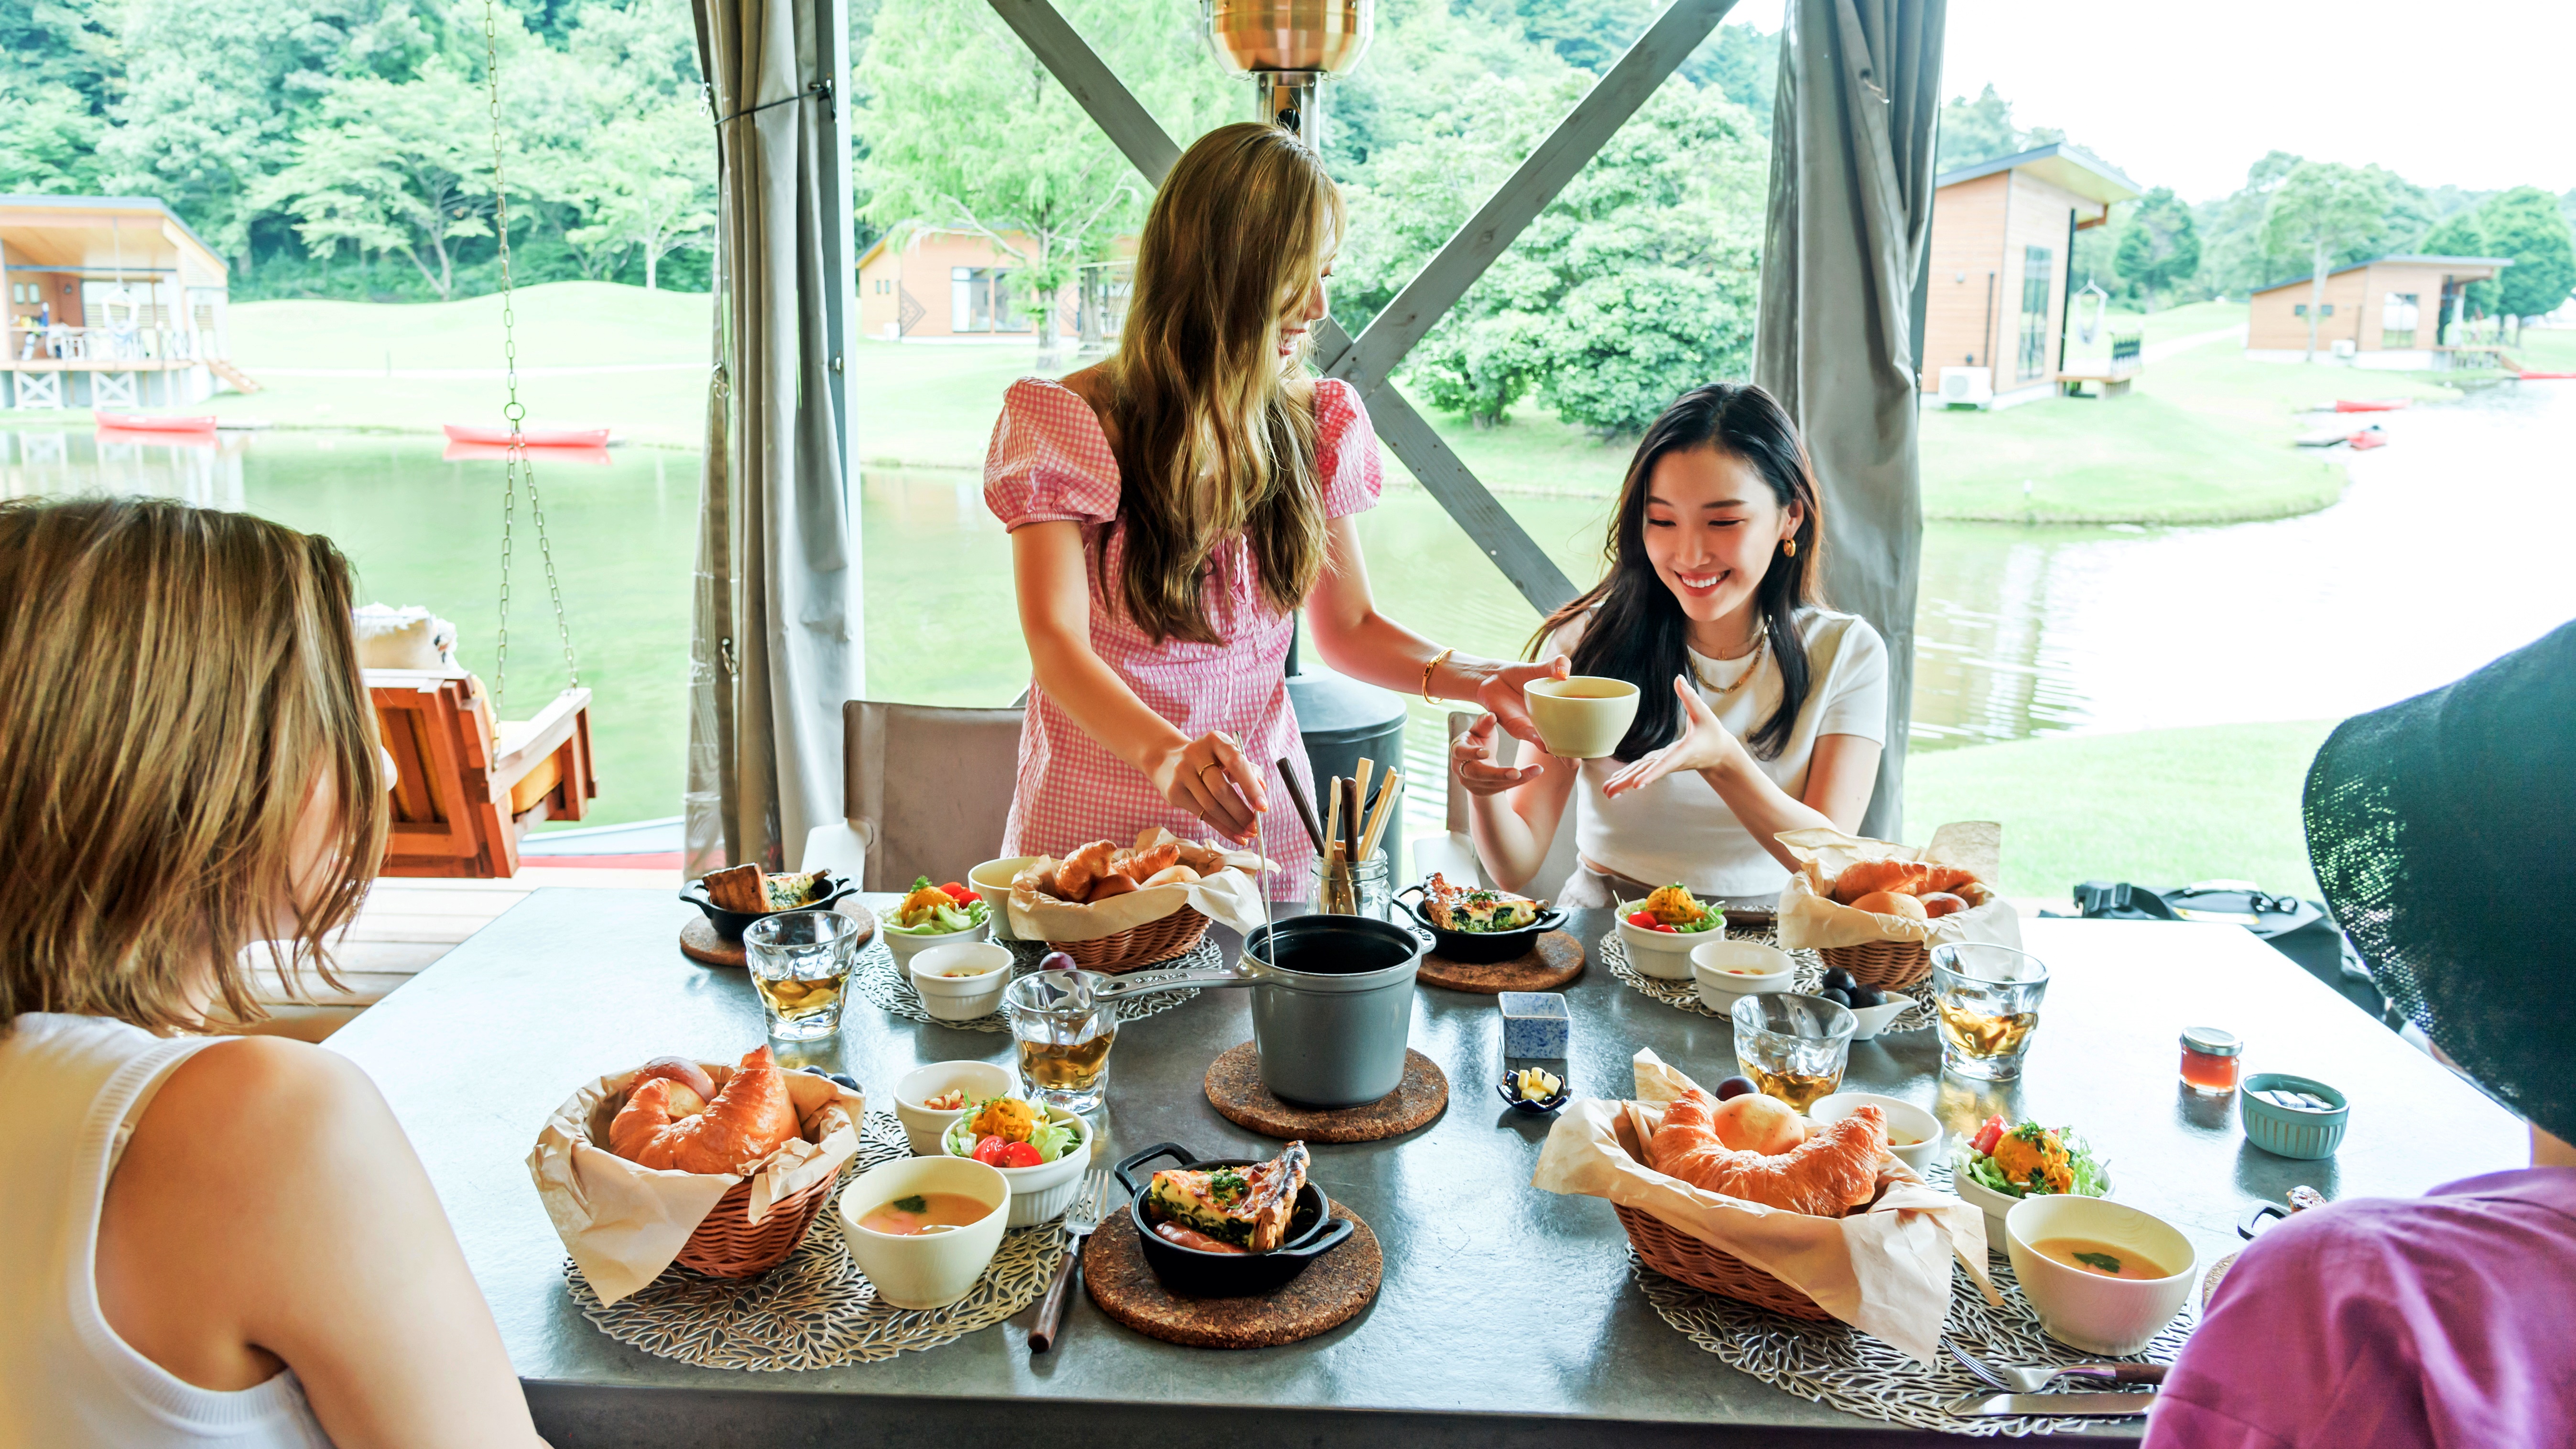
[(2054, 1406)]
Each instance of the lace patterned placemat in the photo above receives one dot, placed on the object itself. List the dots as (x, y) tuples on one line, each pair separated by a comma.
[(1810, 979), (1835, 1364), (886, 986), (817, 1310)]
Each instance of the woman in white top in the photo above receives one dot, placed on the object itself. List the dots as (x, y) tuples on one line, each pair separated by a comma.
[(204, 1240), (1761, 711)]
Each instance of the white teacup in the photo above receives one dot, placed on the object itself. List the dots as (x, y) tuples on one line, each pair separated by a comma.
[(1583, 717), (992, 881)]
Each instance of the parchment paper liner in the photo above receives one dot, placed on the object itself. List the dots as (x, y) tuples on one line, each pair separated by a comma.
[(623, 1224), (1885, 1272), (1811, 919), (1231, 896)]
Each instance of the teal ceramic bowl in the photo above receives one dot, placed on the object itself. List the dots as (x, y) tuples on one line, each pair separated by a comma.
[(2287, 1131)]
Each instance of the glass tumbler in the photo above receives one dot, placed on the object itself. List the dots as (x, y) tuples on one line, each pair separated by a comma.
[(1793, 1047), (1063, 1034), (800, 964), (1988, 997)]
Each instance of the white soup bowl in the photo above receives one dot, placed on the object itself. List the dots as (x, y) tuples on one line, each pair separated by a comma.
[(2086, 1311), (925, 1270), (1725, 970), (924, 1126), (1903, 1117), (961, 980)]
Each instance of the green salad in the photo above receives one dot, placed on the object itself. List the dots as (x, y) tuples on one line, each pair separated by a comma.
[(935, 910), (2026, 1160)]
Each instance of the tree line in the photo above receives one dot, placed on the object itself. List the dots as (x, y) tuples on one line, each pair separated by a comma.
[(345, 147), (2294, 217)]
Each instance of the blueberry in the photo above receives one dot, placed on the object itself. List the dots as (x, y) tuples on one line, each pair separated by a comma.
[(1734, 1087), (1836, 995), (1839, 980)]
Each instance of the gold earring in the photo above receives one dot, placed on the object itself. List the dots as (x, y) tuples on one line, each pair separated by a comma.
[(1789, 546)]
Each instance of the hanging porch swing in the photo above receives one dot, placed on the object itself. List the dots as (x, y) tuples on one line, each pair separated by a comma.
[(468, 783)]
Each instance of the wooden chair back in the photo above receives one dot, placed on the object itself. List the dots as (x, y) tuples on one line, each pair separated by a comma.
[(466, 786), (927, 788)]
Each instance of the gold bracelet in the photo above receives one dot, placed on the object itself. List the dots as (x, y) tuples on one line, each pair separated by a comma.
[(1436, 661)]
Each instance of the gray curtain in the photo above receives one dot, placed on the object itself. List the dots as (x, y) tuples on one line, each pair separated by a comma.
[(771, 652), (1850, 218)]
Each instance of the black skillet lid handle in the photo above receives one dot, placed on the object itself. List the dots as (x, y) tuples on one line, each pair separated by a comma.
[(1129, 1163)]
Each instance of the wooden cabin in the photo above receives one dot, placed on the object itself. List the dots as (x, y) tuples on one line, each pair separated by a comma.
[(2393, 312), (1998, 283), (113, 302), (956, 286)]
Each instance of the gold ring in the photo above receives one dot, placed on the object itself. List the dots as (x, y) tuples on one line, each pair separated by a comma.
[(1210, 765)]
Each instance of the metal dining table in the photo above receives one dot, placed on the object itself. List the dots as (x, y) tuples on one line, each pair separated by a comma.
[(1507, 1316)]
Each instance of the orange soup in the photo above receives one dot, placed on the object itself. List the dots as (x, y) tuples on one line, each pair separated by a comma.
[(2100, 1258), (925, 1212)]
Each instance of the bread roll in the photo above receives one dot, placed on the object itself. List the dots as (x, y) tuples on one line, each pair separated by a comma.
[(1889, 903), (1174, 875), (1111, 884), (1941, 903)]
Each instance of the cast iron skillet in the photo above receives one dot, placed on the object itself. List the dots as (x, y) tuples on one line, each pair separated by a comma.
[(1312, 1232), (731, 924), (1480, 948)]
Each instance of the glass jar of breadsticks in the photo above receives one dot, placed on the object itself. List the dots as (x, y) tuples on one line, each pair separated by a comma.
[(1353, 877)]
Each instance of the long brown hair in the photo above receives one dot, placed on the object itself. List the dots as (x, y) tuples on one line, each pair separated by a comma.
[(178, 682), (1641, 634), (1212, 436)]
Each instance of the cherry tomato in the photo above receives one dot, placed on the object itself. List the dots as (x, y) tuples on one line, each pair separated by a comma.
[(1643, 921), (1988, 1135), (1667, 930), (1020, 1154), (990, 1151), (960, 894)]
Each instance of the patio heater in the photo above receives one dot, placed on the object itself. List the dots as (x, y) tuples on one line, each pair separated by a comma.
[(1287, 47)]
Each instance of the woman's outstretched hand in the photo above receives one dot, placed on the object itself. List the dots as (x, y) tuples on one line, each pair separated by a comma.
[(1471, 755), (1500, 695), (1704, 744), (1210, 778)]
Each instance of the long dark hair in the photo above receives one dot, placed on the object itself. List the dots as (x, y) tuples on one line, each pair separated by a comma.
[(1640, 633)]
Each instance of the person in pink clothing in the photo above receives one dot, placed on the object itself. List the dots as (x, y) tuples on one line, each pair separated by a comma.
[(2440, 832), (1173, 507)]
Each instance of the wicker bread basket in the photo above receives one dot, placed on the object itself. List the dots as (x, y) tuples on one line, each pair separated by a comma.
[(728, 1245), (1685, 1259), (1882, 965), (1159, 939)]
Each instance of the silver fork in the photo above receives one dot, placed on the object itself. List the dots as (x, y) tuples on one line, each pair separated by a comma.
[(2033, 1380), (1081, 1220)]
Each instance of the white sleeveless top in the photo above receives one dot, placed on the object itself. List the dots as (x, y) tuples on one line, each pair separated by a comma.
[(74, 1088)]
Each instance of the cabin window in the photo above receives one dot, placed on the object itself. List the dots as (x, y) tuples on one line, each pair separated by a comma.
[(2038, 271), (2397, 317), (979, 300)]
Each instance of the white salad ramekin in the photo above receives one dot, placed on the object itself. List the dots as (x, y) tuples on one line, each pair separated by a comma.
[(1046, 1190)]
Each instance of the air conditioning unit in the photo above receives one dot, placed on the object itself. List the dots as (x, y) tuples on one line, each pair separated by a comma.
[(2345, 349), (1967, 387)]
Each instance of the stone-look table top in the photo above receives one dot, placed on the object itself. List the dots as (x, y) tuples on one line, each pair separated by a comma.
[(1507, 1316)]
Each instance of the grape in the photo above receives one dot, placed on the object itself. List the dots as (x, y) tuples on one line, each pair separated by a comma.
[(1734, 1087), (1836, 995), (1056, 961), (1864, 997), (1839, 980)]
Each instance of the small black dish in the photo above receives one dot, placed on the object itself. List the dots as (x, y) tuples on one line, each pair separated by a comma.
[(1541, 1107), (1313, 1231), (1480, 948), (731, 924)]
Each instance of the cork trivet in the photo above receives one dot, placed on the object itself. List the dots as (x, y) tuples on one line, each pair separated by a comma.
[(1554, 961), (1234, 1088), (699, 941), (1333, 1289)]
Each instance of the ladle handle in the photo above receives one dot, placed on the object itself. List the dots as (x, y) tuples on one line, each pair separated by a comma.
[(1145, 983)]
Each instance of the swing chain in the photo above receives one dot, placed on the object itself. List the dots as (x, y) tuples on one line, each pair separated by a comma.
[(516, 462)]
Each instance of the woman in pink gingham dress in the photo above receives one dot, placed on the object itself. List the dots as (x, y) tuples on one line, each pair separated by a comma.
[(1132, 725)]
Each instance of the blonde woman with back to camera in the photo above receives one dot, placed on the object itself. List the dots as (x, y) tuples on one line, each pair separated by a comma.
[(204, 1240)]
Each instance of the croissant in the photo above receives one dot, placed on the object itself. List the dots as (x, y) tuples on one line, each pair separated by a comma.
[(751, 1118), (1880, 875), (1142, 864), (1831, 1172), (1075, 877), (1948, 879)]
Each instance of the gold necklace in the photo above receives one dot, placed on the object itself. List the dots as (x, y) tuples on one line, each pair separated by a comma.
[(1761, 646)]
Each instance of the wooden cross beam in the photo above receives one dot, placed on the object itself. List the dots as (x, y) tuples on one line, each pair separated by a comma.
[(1368, 362)]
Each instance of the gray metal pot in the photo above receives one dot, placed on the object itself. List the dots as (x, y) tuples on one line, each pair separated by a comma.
[(1331, 1020)]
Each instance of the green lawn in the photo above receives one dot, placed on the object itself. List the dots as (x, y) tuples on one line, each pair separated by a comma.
[(2158, 807), (2549, 349)]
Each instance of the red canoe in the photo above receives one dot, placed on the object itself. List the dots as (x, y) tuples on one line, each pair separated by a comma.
[(2543, 376), (2369, 407), (152, 422), (531, 437), (2363, 442)]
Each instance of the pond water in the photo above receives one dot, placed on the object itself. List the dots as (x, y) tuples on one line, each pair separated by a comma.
[(2449, 549)]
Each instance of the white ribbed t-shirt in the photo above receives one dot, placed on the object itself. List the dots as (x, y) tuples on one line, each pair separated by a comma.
[(75, 1086), (1676, 829)]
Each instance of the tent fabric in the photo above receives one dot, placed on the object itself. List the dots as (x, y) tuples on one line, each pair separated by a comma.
[(770, 656), (1850, 218)]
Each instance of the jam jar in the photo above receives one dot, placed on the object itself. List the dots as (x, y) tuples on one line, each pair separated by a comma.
[(2212, 1060)]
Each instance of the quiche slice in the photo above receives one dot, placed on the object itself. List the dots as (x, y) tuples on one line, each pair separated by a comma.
[(1465, 908), (1246, 1207), (748, 888)]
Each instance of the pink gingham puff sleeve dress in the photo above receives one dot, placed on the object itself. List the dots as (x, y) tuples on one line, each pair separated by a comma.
[(1051, 461)]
